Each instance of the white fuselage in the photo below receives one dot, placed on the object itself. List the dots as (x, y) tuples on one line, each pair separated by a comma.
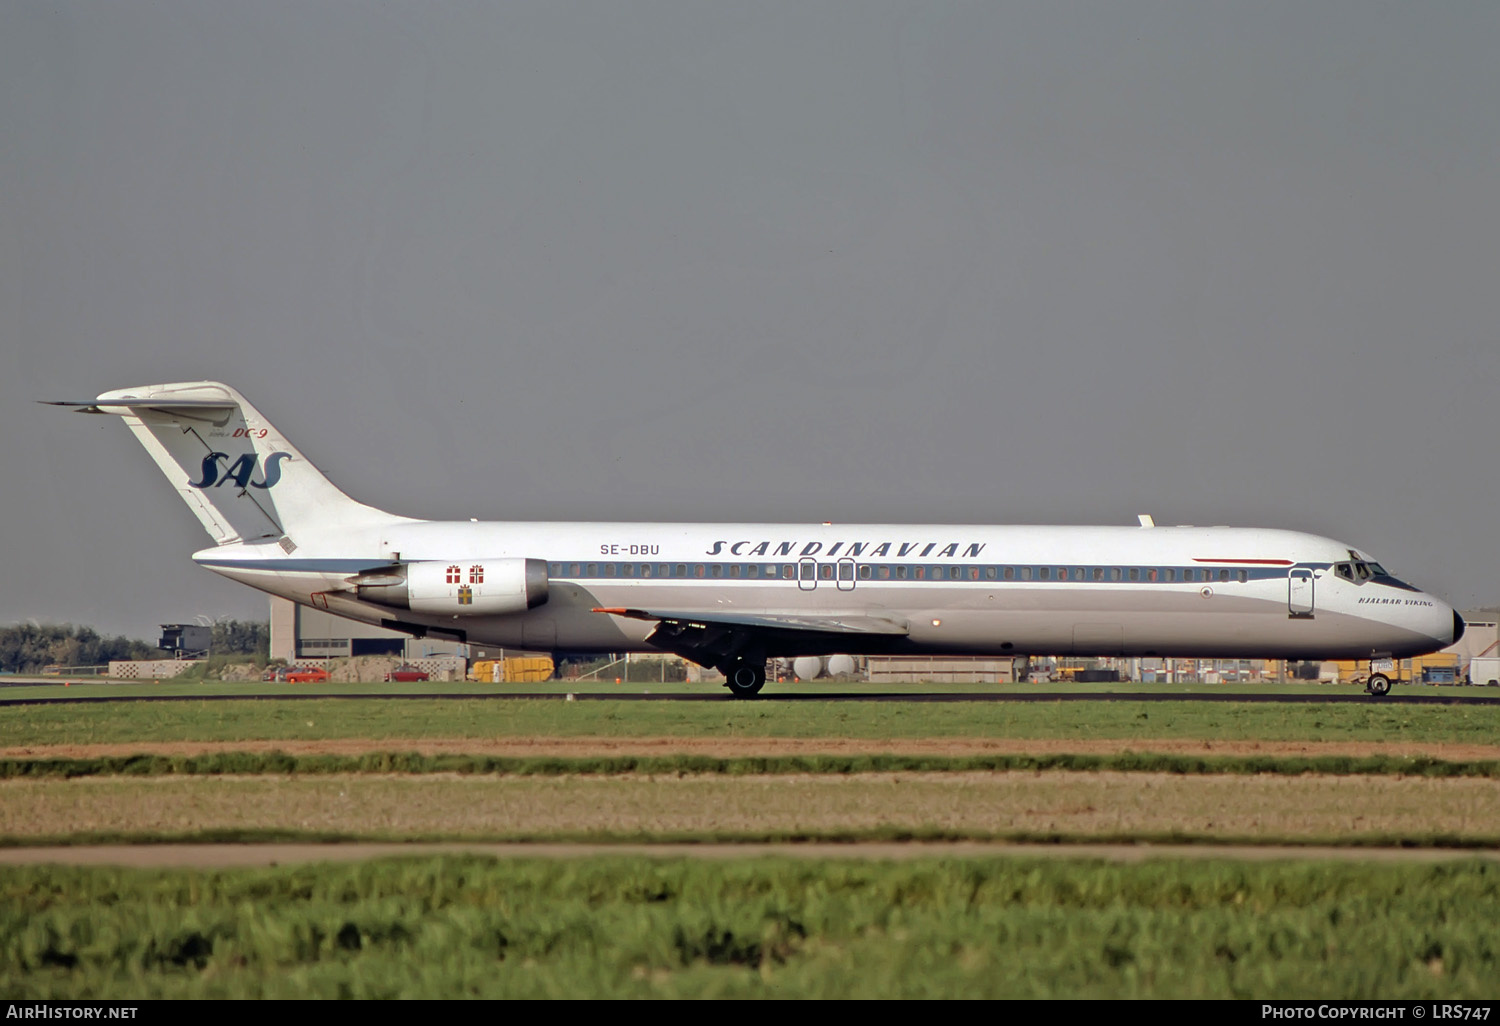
[(960, 589)]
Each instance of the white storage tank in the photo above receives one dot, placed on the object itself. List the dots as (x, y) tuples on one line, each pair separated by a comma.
[(807, 667), (841, 666)]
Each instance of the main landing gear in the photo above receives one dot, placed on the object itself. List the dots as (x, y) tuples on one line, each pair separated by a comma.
[(744, 678)]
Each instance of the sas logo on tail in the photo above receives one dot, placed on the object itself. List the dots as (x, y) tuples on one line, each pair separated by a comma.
[(240, 471)]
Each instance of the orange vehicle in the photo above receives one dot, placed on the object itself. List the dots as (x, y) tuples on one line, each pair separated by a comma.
[(305, 675)]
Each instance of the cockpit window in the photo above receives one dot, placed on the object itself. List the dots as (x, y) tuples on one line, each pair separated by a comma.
[(1378, 570), (1357, 571)]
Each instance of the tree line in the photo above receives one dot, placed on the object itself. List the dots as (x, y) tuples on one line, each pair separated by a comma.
[(28, 648)]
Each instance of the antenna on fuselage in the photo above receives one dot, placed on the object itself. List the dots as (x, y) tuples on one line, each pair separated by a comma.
[(1145, 519)]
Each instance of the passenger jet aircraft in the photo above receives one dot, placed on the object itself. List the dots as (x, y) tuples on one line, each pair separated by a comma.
[(731, 596)]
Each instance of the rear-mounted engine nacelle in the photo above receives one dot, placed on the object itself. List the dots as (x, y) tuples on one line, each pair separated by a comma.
[(482, 587)]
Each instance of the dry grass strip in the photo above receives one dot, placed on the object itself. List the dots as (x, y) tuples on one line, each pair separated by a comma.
[(743, 747), (1075, 804)]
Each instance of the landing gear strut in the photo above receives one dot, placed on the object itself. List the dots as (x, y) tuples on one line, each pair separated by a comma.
[(743, 678)]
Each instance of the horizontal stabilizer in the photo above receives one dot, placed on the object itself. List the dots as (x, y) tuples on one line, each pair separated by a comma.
[(95, 406)]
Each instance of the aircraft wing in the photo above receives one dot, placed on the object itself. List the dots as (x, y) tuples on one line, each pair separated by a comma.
[(714, 637)]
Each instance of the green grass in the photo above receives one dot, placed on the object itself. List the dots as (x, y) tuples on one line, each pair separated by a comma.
[(644, 928), (318, 719), (269, 763), (190, 684)]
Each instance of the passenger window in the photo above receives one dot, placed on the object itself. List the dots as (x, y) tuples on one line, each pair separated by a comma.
[(1244, 576), (664, 570), (573, 570), (627, 569), (1025, 573), (1171, 574), (825, 571), (681, 569), (809, 570), (989, 573), (1010, 573), (846, 571), (1135, 573), (717, 569), (609, 569), (902, 571), (1045, 573), (1114, 573), (1078, 573), (593, 569), (885, 573), (1098, 573), (645, 569), (1223, 576), (697, 569), (1151, 574), (864, 571), (920, 573), (788, 571), (974, 573), (734, 570), (1187, 575)]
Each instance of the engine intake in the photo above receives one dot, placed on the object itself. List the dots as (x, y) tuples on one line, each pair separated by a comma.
[(481, 587)]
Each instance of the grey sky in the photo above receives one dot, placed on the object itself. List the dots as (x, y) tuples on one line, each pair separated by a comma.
[(853, 261)]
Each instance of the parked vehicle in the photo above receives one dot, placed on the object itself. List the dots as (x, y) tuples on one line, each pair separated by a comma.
[(1484, 670), (407, 672), (306, 675)]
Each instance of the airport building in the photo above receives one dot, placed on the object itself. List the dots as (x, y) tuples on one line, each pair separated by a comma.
[(300, 632)]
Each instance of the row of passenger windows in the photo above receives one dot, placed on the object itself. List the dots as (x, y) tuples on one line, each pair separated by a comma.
[(847, 571)]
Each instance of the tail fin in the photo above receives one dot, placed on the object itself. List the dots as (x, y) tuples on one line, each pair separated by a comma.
[(236, 472)]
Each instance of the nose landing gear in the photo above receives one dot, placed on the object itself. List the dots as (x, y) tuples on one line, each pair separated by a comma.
[(1378, 684)]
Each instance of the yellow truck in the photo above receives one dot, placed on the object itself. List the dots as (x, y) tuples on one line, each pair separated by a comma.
[(515, 670)]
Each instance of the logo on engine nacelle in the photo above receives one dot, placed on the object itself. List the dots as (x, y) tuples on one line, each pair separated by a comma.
[(240, 471)]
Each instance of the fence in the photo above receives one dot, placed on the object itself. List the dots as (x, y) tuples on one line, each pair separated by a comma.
[(154, 669)]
